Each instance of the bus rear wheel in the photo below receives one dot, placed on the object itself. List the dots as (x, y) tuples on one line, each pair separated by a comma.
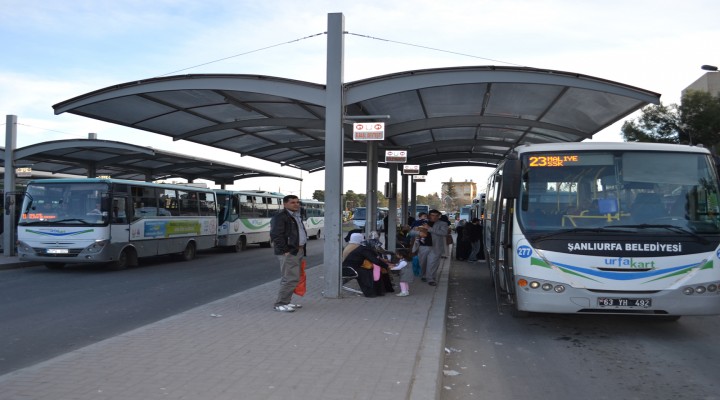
[(189, 252), (54, 265)]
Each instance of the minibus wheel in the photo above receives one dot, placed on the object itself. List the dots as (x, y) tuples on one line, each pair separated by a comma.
[(189, 252), (240, 245)]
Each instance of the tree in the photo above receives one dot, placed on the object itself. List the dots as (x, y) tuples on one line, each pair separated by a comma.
[(657, 123), (353, 200), (696, 121), (700, 112), (319, 195), (449, 195)]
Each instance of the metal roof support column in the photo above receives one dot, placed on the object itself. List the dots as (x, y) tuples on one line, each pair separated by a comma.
[(91, 170), (413, 193), (404, 191), (391, 229), (9, 185), (371, 188), (334, 109)]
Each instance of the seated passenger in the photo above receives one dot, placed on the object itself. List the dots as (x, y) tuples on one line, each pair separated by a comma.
[(361, 260)]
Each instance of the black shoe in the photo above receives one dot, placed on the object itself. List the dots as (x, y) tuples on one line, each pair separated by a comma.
[(423, 279), (432, 283)]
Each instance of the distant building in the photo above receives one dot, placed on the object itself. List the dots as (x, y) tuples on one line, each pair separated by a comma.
[(709, 82), (465, 192)]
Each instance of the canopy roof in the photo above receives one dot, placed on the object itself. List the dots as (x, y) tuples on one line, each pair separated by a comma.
[(443, 117), (92, 157)]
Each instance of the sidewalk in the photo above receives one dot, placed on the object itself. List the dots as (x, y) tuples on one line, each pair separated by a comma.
[(240, 348), (14, 262)]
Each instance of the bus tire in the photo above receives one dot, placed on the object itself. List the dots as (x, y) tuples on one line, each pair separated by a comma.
[(189, 252), (317, 236), (54, 265), (122, 262), (240, 245), (265, 244)]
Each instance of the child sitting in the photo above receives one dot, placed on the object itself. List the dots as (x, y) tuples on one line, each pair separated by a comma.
[(406, 273)]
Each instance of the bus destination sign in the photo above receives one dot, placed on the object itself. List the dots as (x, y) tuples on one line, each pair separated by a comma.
[(561, 160)]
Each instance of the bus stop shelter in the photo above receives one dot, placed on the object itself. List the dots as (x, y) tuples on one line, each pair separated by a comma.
[(444, 117)]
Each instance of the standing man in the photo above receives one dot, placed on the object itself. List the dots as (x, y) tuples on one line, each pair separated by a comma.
[(474, 234), (438, 231), (288, 237)]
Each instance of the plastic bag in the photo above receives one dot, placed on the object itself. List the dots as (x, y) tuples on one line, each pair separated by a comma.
[(416, 266), (301, 287)]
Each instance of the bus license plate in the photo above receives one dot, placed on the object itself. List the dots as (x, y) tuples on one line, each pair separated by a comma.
[(57, 251), (624, 302)]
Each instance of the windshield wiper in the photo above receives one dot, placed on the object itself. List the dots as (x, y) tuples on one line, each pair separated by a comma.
[(572, 230), (70, 220), (672, 228)]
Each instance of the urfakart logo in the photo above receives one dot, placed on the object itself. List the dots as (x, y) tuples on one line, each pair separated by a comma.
[(630, 263), (524, 251)]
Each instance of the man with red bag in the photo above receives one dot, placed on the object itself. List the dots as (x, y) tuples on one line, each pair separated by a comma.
[(288, 237)]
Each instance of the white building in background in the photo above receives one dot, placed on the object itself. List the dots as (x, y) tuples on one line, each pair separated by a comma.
[(708, 82), (465, 192)]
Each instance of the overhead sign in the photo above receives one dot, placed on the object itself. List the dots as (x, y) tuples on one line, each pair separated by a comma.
[(369, 131), (396, 156), (419, 178), (23, 172), (410, 169)]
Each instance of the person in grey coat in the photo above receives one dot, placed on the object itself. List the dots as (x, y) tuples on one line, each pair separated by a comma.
[(432, 246)]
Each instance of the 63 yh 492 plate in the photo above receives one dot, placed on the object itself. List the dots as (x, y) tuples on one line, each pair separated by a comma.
[(624, 302)]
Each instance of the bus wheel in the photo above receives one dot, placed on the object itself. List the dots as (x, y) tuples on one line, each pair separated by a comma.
[(189, 252), (318, 235), (265, 244), (54, 265), (240, 245), (122, 262)]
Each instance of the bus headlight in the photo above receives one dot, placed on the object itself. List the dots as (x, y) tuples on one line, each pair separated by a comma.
[(688, 290), (534, 284), (546, 286), (97, 246), (559, 288), (712, 287), (22, 246), (700, 289)]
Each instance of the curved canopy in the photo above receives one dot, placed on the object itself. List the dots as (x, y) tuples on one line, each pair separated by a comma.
[(442, 117), (92, 157)]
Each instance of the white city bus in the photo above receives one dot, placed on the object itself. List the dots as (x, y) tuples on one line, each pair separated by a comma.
[(313, 215), (88, 220), (629, 228), (244, 217)]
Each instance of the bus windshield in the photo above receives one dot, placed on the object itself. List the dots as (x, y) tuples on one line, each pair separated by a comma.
[(65, 203), (618, 190)]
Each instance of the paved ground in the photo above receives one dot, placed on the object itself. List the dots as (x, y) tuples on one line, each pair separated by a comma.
[(238, 347)]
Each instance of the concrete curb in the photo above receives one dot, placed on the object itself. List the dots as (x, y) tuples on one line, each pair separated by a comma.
[(427, 377)]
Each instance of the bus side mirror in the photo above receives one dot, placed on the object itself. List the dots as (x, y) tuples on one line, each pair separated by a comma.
[(511, 178)]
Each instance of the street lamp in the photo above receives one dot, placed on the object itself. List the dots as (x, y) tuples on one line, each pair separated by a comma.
[(709, 68)]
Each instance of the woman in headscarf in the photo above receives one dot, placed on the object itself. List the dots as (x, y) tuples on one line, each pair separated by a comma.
[(355, 258), (355, 240)]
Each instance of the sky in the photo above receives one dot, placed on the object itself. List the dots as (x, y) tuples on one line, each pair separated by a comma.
[(55, 50)]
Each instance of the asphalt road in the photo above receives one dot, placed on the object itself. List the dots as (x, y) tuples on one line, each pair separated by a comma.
[(548, 356), (45, 313)]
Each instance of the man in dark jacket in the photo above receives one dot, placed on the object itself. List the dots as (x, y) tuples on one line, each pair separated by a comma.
[(473, 231), (288, 236)]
